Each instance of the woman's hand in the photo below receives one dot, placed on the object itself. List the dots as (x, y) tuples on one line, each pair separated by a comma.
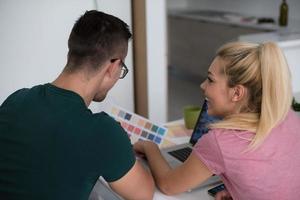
[(223, 195)]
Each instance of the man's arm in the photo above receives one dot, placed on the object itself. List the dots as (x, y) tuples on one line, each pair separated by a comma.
[(137, 183)]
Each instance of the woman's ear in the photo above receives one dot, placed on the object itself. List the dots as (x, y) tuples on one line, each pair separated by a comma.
[(239, 92)]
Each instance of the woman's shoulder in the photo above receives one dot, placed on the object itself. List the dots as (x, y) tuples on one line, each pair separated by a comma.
[(222, 133), (229, 140), (293, 116), (291, 123)]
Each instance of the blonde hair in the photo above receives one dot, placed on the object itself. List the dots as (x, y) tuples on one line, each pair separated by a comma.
[(263, 70)]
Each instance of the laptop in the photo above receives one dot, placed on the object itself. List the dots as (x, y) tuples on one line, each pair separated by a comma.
[(177, 154)]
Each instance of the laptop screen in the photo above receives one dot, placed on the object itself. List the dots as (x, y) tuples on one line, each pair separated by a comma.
[(201, 126)]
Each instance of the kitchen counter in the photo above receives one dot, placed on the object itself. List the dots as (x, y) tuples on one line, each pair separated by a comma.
[(289, 35), (223, 17), (214, 28), (205, 32), (283, 38)]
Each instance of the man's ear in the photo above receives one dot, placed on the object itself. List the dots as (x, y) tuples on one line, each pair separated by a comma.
[(239, 92), (113, 69)]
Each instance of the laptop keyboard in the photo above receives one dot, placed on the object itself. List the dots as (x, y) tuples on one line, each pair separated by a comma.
[(181, 154)]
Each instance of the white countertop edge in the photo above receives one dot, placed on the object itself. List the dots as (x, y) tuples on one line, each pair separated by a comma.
[(289, 43)]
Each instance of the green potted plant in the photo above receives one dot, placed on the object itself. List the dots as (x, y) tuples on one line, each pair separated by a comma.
[(295, 105)]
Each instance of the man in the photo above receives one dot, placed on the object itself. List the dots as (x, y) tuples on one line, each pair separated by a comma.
[(51, 145)]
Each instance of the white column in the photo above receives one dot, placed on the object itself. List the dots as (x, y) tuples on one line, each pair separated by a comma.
[(156, 28)]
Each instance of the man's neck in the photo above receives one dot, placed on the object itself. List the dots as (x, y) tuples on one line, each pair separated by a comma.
[(76, 82)]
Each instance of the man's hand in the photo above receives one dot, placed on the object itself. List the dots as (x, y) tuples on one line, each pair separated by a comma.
[(140, 146)]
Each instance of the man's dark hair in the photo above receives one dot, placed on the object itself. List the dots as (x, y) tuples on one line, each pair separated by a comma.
[(94, 38)]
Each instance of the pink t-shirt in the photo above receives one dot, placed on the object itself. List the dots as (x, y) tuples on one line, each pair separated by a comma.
[(272, 171)]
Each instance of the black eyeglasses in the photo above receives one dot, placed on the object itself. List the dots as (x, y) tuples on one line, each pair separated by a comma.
[(124, 69)]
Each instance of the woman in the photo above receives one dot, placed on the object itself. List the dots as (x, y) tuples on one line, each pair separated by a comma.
[(255, 148)]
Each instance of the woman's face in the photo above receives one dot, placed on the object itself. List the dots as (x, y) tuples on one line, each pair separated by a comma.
[(216, 91)]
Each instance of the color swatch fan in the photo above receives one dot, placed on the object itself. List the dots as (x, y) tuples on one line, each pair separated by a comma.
[(139, 128)]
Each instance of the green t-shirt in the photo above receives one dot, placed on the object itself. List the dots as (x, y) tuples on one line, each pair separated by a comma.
[(53, 147)]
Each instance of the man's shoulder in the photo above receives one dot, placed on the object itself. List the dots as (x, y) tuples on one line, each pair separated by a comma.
[(15, 96), (96, 128), (110, 129), (102, 116), (24, 91), (104, 121)]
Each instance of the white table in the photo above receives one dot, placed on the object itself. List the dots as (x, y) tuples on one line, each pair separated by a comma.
[(198, 194), (102, 192)]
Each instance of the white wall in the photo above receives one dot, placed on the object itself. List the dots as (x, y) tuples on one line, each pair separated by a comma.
[(292, 52), (33, 41), (33, 38)]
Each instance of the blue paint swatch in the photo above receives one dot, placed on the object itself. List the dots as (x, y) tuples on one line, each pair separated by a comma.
[(151, 137), (157, 140), (128, 116), (161, 131)]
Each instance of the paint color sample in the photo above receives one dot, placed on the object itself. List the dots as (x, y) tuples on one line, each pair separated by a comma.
[(157, 139), (148, 125), (151, 136), (144, 134), (114, 111), (121, 114), (134, 120), (141, 123), (139, 128), (130, 128), (154, 128), (137, 131), (127, 116), (124, 125), (161, 131)]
